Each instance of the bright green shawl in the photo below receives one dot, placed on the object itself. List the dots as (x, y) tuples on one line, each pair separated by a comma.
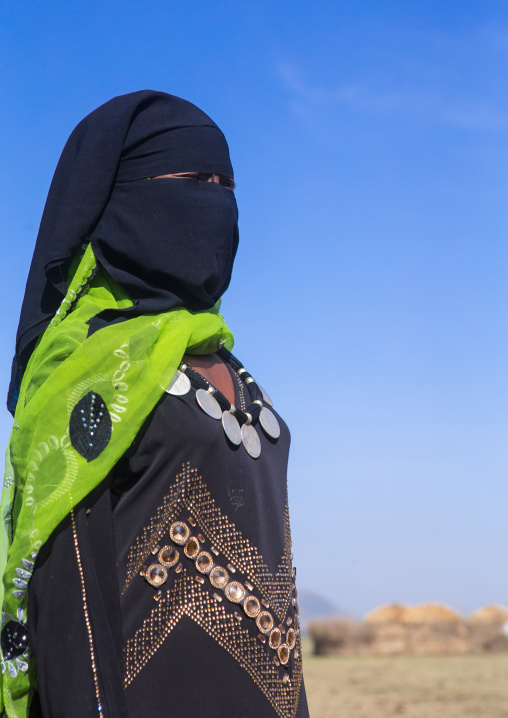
[(129, 364)]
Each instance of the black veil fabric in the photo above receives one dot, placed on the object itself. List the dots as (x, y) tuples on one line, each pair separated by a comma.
[(167, 242)]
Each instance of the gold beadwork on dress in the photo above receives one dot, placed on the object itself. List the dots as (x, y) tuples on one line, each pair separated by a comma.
[(190, 493), (235, 592), (179, 532), (156, 575), (204, 562), (193, 596), (251, 606), (291, 638), (191, 548), (86, 612), (168, 556), (283, 654), (188, 598), (275, 638), (218, 577), (264, 622)]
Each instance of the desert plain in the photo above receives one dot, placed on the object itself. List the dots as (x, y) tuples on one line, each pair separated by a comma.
[(461, 686)]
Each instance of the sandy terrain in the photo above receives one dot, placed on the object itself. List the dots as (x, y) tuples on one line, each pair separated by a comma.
[(407, 686)]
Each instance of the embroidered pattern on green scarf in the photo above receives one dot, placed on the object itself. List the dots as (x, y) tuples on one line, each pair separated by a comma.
[(129, 365)]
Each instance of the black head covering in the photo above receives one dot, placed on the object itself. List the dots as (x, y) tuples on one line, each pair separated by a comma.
[(167, 242)]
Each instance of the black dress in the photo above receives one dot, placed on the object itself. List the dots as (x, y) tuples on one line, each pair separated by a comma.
[(185, 577)]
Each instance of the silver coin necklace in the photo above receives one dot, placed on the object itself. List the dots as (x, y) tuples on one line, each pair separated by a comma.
[(239, 424)]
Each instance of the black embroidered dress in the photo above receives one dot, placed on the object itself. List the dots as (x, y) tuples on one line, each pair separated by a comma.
[(187, 579)]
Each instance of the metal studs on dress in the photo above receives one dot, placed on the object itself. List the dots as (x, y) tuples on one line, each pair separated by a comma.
[(280, 639)]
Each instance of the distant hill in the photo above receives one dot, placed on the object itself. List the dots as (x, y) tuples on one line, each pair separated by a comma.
[(312, 605)]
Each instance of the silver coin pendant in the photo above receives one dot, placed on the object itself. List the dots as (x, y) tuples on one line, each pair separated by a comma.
[(269, 422), (232, 428), (266, 398), (179, 385), (250, 441), (209, 404)]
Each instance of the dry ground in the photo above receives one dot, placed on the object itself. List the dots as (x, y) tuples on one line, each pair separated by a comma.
[(407, 686)]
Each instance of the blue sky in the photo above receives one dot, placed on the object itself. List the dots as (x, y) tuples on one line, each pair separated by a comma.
[(370, 145)]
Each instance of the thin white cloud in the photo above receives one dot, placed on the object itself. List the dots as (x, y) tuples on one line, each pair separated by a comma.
[(314, 103)]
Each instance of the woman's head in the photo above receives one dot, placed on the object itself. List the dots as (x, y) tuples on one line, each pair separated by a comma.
[(169, 232), (134, 180)]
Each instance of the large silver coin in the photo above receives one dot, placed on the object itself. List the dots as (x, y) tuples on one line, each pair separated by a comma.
[(180, 384), (266, 398), (269, 422), (209, 404), (232, 428), (250, 441)]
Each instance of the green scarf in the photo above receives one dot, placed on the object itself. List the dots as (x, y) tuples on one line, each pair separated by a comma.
[(129, 365)]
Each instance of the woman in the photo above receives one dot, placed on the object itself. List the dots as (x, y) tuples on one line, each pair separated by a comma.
[(147, 565)]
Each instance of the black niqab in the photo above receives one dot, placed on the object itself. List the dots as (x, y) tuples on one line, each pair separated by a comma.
[(167, 242)]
